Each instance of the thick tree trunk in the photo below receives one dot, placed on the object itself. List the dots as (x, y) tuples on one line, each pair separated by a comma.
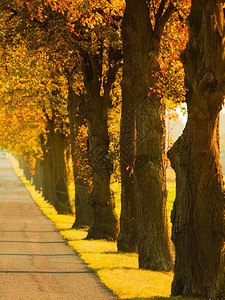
[(150, 182), (55, 170), (105, 221), (96, 108), (62, 201), (198, 215), (141, 49), (48, 186), (127, 240), (27, 165), (38, 177), (83, 210)]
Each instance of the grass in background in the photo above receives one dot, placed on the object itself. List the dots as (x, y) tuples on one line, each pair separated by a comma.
[(118, 271)]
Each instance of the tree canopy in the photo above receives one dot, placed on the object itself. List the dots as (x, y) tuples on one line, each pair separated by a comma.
[(86, 84)]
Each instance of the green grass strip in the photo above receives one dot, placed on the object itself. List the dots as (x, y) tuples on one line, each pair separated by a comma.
[(118, 271)]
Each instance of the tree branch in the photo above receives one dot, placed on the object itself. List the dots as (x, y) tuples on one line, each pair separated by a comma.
[(14, 13), (45, 113), (163, 19), (115, 58), (160, 10)]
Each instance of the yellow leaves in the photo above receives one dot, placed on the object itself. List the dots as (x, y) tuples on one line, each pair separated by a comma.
[(170, 79), (25, 89), (88, 15)]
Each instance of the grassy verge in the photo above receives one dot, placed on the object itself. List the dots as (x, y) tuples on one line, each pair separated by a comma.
[(118, 271)]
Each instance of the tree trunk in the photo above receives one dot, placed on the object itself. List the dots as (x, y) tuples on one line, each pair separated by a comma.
[(96, 108), (62, 201), (101, 197), (48, 185), (83, 210), (198, 215), (55, 170), (20, 160), (38, 177), (27, 165), (150, 182), (127, 240), (141, 49)]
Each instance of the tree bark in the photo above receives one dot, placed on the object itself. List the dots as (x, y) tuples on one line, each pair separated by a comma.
[(127, 239), (83, 210), (28, 165), (48, 186), (38, 177), (96, 108), (61, 194), (141, 50), (101, 198), (55, 170), (198, 215)]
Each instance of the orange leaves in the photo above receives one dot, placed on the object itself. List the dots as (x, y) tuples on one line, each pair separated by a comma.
[(27, 91), (87, 14), (170, 79), (58, 5)]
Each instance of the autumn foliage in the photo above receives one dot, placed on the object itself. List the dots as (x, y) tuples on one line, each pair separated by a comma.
[(68, 26), (61, 64)]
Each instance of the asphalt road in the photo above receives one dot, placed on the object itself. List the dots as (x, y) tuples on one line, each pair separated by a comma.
[(35, 262)]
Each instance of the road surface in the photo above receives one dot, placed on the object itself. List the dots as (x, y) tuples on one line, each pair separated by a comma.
[(35, 262)]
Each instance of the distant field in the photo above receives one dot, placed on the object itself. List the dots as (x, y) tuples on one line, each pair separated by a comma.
[(171, 187), (170, 175)]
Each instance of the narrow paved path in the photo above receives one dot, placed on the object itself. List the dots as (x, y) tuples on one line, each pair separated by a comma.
[(35, 262)]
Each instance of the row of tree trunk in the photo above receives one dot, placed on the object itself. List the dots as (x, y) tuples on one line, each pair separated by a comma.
[(49, 174), (198, 213), (94, 207)]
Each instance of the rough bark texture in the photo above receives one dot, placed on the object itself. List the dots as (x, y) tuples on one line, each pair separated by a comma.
[(127, 239), (141, 49), (198, 215), (101, 198), (83, 210), (38, 177), (48, 185), (62, 201), (96, 109), (55, 170)]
